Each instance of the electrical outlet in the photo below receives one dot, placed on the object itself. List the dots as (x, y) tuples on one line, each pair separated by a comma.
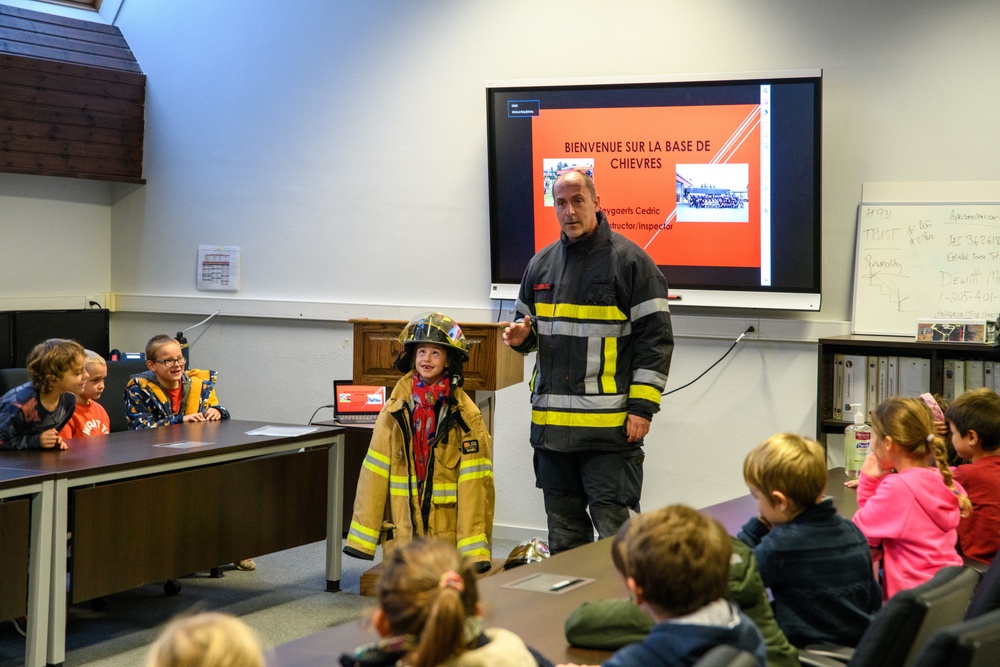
[(755, 323), (91, 299)]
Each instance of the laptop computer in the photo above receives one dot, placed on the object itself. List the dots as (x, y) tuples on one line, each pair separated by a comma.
[(357, 403)]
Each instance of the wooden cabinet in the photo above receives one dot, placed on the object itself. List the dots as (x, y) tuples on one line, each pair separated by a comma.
[(491, 365), (935, 352)]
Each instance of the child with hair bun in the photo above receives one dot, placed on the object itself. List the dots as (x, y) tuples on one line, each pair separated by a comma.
[(429, 614), (912, 513)]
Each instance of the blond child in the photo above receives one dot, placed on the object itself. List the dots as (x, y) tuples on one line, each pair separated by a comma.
[(90, 417), (32, 415), (429, 467), (166, 393), (816, 563), (206, 640), (974, 421), (907, 508), (429, 614)]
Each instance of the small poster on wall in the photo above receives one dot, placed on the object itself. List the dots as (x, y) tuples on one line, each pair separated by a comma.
[(218, 268)]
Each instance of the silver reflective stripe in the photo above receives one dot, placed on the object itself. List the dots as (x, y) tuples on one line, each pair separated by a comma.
[(591, 381), (372, 460), (361, 537), (465, 470), (472, 546), (646, 376), (445, 494), (584, 403), (583, 329), (521, 307), (648, 308), (399, 486)]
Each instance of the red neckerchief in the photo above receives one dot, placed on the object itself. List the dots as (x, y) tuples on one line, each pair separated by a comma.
[(425, 408)]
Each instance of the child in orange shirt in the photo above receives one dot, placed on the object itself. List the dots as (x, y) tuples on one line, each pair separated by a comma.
[(90, 417)]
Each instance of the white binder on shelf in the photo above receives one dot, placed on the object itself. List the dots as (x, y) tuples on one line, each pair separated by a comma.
[(914, 376)]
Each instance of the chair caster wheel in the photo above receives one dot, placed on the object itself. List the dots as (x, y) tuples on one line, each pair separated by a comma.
[(171, 587), (98, 604)]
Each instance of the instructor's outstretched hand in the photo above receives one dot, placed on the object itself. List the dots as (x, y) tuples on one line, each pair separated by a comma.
[(517, 332)]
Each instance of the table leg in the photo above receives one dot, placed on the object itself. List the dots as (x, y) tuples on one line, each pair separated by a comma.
[(334, 511), (57, 582)]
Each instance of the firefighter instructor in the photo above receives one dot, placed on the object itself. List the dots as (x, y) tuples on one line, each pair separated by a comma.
[(594, 307)]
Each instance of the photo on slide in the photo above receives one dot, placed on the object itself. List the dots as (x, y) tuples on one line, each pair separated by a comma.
[(713, 192), (553, 168)]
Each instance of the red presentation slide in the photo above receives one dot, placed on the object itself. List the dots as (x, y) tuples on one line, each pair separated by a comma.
[(682, 182)]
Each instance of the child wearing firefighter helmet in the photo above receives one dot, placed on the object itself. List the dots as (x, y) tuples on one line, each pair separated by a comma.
[(429, 468)]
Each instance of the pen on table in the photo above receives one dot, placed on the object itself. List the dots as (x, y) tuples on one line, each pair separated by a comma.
[(565, 583)]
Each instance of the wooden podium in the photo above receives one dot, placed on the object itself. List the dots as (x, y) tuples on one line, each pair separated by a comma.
[(491, 365)]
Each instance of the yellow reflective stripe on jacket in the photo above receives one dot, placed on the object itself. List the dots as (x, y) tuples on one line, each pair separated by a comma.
[(579, 312), (474, 545), (445, 493), (401, 485), (377, 463), (645, 392), (581, 419), (364, 537), (474, 469), (610, 366)]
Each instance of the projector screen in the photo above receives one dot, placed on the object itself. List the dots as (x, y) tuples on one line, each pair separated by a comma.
[(716, 178)]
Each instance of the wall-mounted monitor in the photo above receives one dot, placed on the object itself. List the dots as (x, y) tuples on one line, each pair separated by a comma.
[(716, 177)]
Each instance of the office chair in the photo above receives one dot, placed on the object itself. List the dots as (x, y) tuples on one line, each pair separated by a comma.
[(987, 595), (12, 377), (972, 643), (904, 623), (726, 656)]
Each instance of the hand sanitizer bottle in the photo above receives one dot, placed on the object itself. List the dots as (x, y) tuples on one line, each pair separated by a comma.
[(857, 438)]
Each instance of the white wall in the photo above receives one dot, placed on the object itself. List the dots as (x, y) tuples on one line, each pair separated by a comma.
[(342, 146), (55, 241)]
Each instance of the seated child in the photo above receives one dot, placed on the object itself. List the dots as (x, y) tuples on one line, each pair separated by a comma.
[(816, 563), (974, 420), (612, 624), (32, 415), (166, 394), (429, 468), (90, 417), (676, 570), (429, 614), (208, 639), (912, 513)]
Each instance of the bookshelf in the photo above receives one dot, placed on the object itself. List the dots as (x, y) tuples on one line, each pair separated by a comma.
[(935, 352)]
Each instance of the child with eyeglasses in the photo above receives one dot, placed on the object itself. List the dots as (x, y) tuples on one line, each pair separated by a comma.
[(167, 394)]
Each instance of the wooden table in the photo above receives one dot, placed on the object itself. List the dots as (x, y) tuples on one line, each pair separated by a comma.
[(26, 539), (537, 618), (150, 505)]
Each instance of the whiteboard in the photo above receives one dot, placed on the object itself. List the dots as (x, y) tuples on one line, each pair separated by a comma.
[(919, 260)]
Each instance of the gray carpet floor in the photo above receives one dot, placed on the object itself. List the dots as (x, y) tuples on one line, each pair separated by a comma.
[(282, 600)]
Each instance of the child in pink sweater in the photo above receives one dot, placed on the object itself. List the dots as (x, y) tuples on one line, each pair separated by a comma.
[(908, 504)]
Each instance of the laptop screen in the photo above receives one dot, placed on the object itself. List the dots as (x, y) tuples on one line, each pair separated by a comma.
[(357, 401)]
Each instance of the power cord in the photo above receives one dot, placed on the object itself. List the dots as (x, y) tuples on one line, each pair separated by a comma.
[(322, 407), (750, 329)]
